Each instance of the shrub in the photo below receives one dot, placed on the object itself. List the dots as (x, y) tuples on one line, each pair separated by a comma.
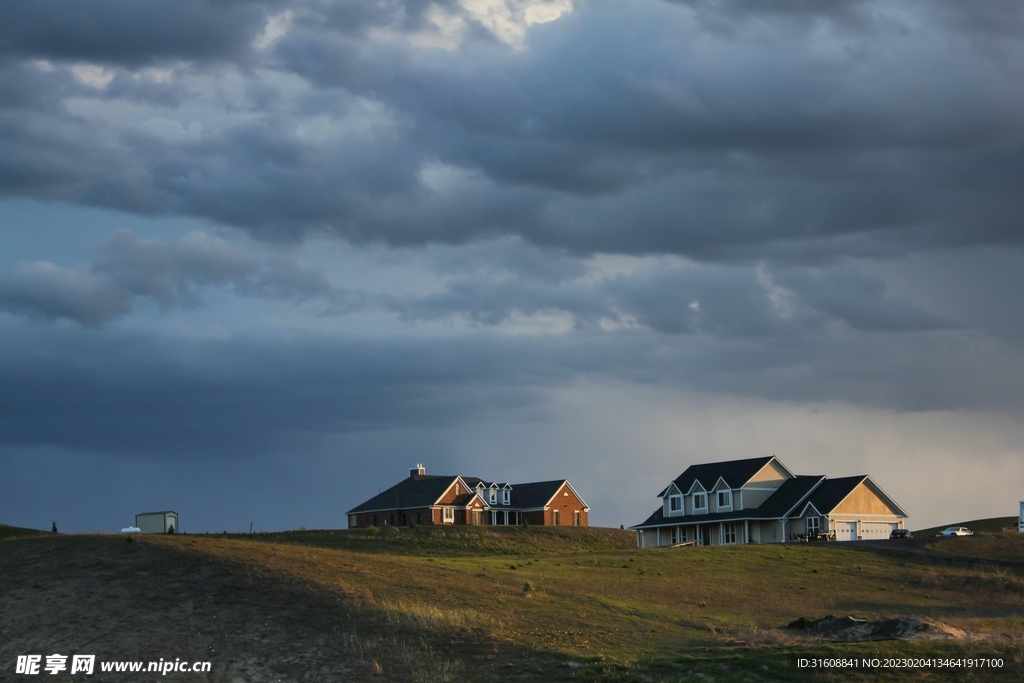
[(372, 530)]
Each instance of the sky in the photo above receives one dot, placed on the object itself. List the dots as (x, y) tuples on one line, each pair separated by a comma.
[(258, 259)]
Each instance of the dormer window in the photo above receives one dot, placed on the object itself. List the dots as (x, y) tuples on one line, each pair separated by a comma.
[(675, 504), (493, 496), (505, 496), (725, 499), (700, 502)]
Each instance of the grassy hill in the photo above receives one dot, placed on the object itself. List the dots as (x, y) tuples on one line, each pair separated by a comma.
[(500, 604), (17, 532), (993, 525)]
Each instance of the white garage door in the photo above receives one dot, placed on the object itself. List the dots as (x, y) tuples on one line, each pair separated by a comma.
[(846, 531), (875, 530)]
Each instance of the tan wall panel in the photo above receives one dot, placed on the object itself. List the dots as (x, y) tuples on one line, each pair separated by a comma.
[(863, 501)]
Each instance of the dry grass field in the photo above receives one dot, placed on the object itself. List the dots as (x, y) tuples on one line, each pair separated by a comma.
[(500, 604)]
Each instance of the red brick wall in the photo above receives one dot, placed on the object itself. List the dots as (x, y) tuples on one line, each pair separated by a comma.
[(566, 502)]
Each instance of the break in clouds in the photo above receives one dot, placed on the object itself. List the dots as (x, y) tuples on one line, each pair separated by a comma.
[(417, 215)]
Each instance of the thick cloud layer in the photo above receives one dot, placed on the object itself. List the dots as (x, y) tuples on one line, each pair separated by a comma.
[(712, 130)]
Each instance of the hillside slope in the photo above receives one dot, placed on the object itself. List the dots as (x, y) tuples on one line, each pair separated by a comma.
[(564, 608)]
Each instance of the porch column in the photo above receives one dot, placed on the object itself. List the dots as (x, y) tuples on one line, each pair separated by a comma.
[(746, 531)]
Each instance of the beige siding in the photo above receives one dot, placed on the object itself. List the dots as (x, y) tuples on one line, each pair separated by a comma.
[(863, 501), (772, 472)]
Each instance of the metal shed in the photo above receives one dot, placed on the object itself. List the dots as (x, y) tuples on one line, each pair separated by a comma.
[(157, 522)]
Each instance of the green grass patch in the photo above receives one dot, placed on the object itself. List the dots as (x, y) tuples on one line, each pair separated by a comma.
[(18, 532), (993, 525), (457, 540)]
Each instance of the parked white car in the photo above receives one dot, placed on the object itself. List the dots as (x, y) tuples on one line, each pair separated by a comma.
[(131, 530), (956, 531)]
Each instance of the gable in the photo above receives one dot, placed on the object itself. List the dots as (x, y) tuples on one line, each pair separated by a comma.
[(773, 471), (670, 490), (566, 493), (863, 500)]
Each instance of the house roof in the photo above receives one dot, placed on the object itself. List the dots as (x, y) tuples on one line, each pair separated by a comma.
[(418, 490), (736, 473), (791, 493), (831, 493), (535, 494), (790, 498), (423, 490)]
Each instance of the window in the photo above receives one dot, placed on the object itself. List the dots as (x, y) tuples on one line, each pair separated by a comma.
[(449, 515), (675, 503), (375, 520), (675, 535), (505, 496), (728, 533), (555, 517), (391, 518), (700, 501), (812, 525), (494, 496), (577, 518), (419, 518), (725, 499)]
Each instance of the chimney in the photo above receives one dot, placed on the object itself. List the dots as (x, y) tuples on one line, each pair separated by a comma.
[(418, 470)]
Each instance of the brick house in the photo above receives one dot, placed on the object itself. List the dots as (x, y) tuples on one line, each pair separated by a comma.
[(759, 500), (425, 499)]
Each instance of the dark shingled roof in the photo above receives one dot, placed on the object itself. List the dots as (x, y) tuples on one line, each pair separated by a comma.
[(831, 493), (534, 494), (735, 472), (420, 490), (792, 492)]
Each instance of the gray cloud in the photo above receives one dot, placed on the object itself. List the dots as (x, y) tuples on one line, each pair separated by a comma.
[(783, 130), (170, 274), (44, 290), (142, 32)]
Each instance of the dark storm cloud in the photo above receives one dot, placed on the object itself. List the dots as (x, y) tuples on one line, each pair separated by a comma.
[(713, 130), (132, 34), (169, 274), (134, 394)]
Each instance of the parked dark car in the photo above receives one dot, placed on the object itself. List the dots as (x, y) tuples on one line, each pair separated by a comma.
[(901, 533)]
